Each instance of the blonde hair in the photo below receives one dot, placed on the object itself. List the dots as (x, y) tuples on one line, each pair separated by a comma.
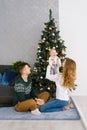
[(69, 73)]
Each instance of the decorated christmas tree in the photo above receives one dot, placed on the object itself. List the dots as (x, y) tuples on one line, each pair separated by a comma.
[(50, 38)]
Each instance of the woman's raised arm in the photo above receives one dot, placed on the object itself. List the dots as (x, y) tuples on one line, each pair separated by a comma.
[(51, 76)]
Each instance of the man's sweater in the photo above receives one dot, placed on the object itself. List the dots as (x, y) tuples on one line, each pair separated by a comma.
[(23, 90)]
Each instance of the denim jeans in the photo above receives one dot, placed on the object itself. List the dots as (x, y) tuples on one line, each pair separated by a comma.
[(54, 105)]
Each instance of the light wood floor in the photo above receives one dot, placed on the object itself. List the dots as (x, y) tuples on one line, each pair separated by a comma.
[(41, 125), (49, 124)]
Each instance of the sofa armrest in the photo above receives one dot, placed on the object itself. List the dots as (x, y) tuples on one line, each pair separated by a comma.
[(6, 95)]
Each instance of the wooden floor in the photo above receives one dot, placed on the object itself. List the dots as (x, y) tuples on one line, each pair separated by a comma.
[(50, 124), (41, 125)]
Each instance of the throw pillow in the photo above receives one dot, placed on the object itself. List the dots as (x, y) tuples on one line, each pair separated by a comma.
[(4, 80), (0, 79), (9, 76)]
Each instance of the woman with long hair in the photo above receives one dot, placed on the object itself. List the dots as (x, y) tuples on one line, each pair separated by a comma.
[(64, 82)]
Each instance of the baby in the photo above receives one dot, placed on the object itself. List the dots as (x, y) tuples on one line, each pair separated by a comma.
[(54, 62)]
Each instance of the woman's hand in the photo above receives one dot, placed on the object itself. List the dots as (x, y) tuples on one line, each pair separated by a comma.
[(39, 101)]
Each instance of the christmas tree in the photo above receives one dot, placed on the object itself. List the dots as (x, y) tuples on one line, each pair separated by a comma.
[(50, 38)]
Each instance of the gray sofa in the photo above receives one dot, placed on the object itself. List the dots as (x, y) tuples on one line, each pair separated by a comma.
[(6, 92)]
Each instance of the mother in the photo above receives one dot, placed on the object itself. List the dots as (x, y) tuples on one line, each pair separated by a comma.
[(64, 82)]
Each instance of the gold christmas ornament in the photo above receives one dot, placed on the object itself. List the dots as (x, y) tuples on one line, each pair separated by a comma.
[(47, 48), (40, 85), (50, 28), (47, 61), (56, 30)]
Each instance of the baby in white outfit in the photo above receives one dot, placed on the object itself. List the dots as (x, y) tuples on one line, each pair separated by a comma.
[(54, 62)]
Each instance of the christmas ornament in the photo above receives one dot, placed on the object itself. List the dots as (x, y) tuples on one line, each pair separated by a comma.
[(39, 51), (40, 57), (44, 39), (47, 61), (60, 40), (38, 47), (53, 34), (47, 48), (41, 77), (56, 30), (40, 85), (50, 28), (35, 69), (41, 89), (48, 88)]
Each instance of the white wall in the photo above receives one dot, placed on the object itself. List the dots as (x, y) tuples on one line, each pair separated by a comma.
[(73, 29)]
